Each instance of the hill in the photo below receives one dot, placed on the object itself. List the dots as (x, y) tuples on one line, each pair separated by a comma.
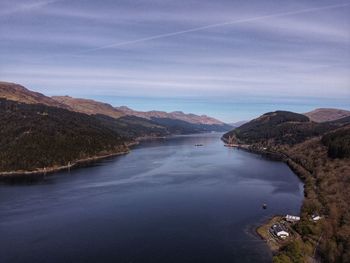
[(176, 115), (16, 92), (319, 153), (133, 127), (326, 114), (280, 127), (36, 136), (41, 132), (237, 124), (163, 122), (176, 126), (90, 107), (130, 123)]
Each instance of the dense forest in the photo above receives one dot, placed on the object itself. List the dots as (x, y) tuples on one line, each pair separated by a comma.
[(182, 127), (133, 127), (338, 143), (319, 154), (36, 136)]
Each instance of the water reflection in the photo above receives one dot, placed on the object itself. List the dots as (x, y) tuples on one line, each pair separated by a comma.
[(166, 201)]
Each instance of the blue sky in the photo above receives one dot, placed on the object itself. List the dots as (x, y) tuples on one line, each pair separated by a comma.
[(233, 60)]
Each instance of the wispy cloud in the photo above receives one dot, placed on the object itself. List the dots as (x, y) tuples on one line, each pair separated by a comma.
[(178, 48), (17, 7), (216, 25)]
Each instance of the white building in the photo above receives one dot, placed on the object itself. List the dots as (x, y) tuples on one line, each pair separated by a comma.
[(279, 231), (292, 219), (315, 217)]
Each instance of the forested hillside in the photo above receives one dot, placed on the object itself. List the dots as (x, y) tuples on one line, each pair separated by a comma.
[(320, 154), (182, 127), (282, 127), (36, 136)]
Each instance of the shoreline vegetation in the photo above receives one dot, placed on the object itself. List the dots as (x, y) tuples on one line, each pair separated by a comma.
[(318, 153), (77, 163), (40, 135), (292, 245), (56, 168), (274, 244)]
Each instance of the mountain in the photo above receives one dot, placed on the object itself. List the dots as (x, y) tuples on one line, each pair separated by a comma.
[(237, 124), (93, 107), (133, 127), (319, 153), (176, 126), (36, 136), (130, 123), (281, 127), (90, 107), (174, 122), (154, 122), (41, 132), (176, 115), (326, 114), (16, 92)]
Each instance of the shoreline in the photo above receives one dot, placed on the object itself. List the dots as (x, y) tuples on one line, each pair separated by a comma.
[(76, 163), (54, 169), (262, 231), (300, 171)]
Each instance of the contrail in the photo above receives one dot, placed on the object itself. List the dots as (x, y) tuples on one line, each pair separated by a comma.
[(28, 7), (231, 22)]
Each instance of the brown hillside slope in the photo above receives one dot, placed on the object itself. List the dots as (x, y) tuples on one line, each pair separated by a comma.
[(176, 115), (327, 114), (16, 92), (90, 107)]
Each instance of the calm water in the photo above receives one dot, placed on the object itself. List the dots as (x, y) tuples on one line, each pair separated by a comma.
[(166, 201)]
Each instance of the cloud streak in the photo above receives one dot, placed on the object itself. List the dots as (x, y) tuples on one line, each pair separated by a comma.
[(216, 25), (223, 50), (27, 7)]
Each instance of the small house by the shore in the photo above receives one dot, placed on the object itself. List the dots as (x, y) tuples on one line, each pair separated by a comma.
[(279, 231), (292, 219)]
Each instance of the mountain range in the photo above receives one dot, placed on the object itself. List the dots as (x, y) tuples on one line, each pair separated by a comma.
[(16, 92), (41, 133)]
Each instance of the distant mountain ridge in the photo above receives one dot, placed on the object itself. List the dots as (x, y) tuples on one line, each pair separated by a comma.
[(326, 114), (16, 92), (237, 124), (177, 115), (126, 121), (40, 134)]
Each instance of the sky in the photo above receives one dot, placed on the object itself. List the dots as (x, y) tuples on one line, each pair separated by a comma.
[(230, 59)]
